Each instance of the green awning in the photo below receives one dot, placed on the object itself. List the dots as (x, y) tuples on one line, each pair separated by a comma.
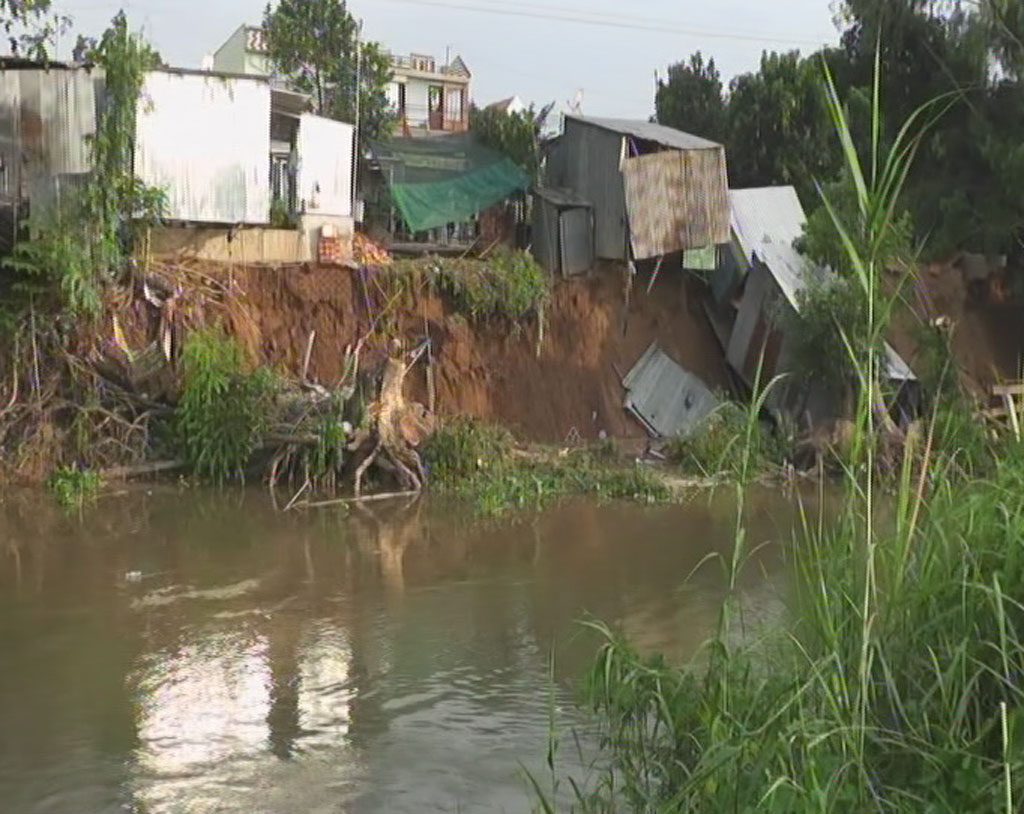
[(445, 179)]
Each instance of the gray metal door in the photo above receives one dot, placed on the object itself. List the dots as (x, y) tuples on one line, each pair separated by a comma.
[(576, 227)]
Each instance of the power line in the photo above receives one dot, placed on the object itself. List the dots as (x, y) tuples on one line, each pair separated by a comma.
[(610, 21)]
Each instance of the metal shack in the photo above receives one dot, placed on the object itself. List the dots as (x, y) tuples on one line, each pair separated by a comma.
[(765, 222), (563, 231), (204, 138), (47, 111), (654, 190)]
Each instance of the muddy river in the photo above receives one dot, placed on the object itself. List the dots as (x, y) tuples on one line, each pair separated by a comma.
[(195, 652)]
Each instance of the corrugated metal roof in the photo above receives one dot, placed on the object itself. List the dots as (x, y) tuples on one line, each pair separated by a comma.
[(792, 271), (666, 398), (649, 131), (766, 213)]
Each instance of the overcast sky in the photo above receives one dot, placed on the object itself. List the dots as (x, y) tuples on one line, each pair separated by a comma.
[(538, 57)]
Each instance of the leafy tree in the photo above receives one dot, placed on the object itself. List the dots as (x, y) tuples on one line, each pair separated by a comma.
[(29, 25), (779, 132), (691, 99), (316, 44), (517, 135)]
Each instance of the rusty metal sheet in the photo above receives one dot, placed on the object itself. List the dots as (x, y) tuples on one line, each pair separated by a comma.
[(676, 200)]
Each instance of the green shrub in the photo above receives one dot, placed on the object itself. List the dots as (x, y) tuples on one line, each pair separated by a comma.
[(508, 285), (717, 445), (222, 411), (462, 446), (74, 487), (474, 461)]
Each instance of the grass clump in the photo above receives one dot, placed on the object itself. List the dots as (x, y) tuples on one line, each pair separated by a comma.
[(221, 414), (74, 487), (476, 462), (899, 686), (508, 284), (462, 446), (719, 444)]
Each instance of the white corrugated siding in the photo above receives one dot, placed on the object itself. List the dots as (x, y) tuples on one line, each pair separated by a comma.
[(206, 141), (325, 166)]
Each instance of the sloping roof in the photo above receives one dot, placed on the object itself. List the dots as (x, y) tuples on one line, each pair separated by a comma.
[(791, 271), (765, 213), (649, 131), (501, 104), (458, 67)]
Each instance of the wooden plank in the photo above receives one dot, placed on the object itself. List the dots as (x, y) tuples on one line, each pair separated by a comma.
[(1014, 389), (1014, 420)]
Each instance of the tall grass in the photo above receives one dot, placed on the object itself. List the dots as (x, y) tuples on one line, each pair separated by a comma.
[(900, 685)]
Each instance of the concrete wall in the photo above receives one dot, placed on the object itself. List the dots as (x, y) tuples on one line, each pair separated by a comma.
[(230, 57), (251, 245), (235, 55)]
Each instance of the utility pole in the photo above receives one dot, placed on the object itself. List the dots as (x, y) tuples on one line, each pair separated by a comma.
[(359, 92)]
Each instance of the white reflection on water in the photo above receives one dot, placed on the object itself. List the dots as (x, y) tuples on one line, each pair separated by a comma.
[(218, 717)]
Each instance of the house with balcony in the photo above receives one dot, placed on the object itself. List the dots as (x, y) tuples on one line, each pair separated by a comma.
[(428, 98)]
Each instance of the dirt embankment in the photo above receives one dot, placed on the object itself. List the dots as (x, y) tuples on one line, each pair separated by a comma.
[(987, 338), (544, 390)]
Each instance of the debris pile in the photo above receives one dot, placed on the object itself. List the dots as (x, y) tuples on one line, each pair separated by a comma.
[(368, 253)]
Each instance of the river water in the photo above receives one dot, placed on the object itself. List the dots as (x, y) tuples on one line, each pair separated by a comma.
[(182, 651)]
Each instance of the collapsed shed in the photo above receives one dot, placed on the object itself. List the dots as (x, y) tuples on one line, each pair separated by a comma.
[(771, 274), (654, 190)]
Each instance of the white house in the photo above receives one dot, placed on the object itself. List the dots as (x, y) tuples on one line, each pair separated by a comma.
[(427, 97)]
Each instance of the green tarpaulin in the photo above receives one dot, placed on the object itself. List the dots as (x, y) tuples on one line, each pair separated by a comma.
[(445, 179)]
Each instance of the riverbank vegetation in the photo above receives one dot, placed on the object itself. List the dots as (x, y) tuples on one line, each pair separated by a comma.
[(482, 465), (899, 685)]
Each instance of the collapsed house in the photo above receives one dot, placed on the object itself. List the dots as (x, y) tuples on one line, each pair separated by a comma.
[(640, 194), (226, 149), (653, 191), (759, 275)]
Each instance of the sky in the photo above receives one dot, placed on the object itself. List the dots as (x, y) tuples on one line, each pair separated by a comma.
[(543, 51)]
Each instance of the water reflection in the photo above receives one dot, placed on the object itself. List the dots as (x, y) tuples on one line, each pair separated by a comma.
[(183, 652)]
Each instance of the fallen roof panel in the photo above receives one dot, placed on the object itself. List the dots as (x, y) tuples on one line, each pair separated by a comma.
[(668, 399)]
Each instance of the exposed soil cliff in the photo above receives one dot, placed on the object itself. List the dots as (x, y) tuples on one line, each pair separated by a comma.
[(569, 380)]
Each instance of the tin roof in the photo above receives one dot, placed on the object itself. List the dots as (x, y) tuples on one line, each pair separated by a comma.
[(665, 397), (791, 271), (649, 131), (765, 213)]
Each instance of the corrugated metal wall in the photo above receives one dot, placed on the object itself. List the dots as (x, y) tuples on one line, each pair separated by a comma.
[(45, 118), (325, 166), (757, 295), (544, 235), (576, 233), (677, 200), (206, 141), (589, 162)]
